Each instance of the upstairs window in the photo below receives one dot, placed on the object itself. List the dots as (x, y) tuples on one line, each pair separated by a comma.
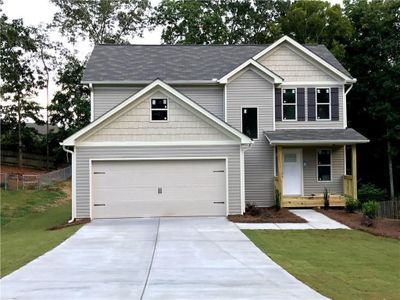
[(250, 122), (159, 110), (323, 104), (289, 111), (324, 165)]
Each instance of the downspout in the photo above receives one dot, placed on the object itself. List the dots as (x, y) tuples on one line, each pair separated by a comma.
[(348, 90), (243, 149), (73, 200)]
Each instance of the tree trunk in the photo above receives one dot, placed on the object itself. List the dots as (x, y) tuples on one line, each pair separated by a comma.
[(19, 135), (47, 123), (391, 184)]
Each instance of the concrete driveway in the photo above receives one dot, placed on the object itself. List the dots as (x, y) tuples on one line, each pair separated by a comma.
[(155, 258)]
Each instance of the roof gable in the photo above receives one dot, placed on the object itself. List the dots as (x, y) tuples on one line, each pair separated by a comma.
[(308, 53), (176, 63), (201, 112)]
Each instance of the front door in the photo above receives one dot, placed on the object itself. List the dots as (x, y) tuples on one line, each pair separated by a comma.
[(292, 172)]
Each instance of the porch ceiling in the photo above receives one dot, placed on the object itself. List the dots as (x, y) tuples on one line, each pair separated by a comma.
[(315, 137)]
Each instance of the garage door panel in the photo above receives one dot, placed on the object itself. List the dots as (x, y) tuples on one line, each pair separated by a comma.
[(158, 188)]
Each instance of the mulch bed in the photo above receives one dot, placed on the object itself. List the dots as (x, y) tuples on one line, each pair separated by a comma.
[(74, 223), (268, 215), (380, 226)]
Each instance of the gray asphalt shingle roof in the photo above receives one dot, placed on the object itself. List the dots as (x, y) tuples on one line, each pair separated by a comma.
[(176, 62), (310, 136)]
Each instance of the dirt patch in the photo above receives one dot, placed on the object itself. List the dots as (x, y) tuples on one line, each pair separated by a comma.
[(268, 215), (74, 223), (380, 226), (20, 171)]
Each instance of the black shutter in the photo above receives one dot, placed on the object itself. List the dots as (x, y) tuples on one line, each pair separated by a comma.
[(278, 104), (335, 104), (311, 104), (301, 114)]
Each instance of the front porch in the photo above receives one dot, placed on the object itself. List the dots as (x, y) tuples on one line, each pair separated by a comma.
[(310, 170)]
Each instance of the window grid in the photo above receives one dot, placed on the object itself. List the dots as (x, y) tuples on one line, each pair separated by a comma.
[(322, 104), (285, 104), (324, 165), (153, 102)]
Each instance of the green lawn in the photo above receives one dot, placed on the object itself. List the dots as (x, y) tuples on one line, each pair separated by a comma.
[(25, 217), (340, 264)]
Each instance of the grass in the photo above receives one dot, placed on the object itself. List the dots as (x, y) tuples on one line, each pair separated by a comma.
[(340, 264), (25, 217)]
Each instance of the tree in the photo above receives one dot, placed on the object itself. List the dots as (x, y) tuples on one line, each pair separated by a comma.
[(47, 51), (20, 79), (219, 21), (373, 57), (101, 21), (318, 22), (70, 106)]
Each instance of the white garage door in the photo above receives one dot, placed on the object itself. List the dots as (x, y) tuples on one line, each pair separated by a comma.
[(158, 188)]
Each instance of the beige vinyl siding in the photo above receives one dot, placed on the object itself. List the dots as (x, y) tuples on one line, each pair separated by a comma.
[(293, 66), (105, 97), (84, 154), (134, 124), (210, 97), (318, 124), (311, 184), (250, 89)]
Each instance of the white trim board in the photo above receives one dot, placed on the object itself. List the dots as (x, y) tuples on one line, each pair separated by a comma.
[(308, 53), (251, 62), (70, 141)]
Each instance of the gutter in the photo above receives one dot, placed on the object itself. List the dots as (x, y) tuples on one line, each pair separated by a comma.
[(73, 185)]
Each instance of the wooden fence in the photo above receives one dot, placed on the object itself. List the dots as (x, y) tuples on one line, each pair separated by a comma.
[(389, 209), (29, 160)]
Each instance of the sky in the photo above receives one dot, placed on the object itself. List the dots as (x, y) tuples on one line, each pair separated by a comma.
[(34, 12)]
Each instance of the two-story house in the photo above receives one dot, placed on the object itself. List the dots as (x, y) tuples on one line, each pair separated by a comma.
[(204, 129)]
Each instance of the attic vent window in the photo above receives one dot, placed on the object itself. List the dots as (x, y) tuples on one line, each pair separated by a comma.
[(159, 110)]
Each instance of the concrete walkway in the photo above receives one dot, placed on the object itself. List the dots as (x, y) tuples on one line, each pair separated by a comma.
[(167, 258), (315, 220)]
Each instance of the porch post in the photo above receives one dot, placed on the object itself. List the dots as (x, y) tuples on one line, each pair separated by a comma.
[(354, 169), (279, 171)]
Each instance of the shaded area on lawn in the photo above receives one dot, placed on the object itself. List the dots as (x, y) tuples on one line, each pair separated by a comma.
[(380, 226), (26, 216), (267, 215), (340, 264)]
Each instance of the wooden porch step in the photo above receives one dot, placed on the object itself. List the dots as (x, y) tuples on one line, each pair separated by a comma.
[(312, 201)]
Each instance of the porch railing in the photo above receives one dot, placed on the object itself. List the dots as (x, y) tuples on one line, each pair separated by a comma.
[(348, 185)]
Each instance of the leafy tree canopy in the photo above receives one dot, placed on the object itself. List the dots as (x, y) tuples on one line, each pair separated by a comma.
[(101, 21), (70, 107)]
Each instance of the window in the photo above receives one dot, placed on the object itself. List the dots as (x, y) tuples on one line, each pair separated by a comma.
[(323, 104), (250, 122), (289, 104), (159, 110), (324, 165)]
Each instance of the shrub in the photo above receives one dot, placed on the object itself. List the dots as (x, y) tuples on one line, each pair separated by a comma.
[(369, 191), (326, 198), (252, 210), (369, 209), (351, 204), (277, 200)]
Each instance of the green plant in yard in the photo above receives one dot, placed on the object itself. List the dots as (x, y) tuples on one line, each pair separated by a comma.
[(370, 209), (340, 264), (26, 216), (277, 200), (326, 198), (369, 191), (351, 204)]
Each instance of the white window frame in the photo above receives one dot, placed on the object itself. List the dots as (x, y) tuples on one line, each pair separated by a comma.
[(258, 119), (324, 165), (316, 103), (288, 104), (159, 109)]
